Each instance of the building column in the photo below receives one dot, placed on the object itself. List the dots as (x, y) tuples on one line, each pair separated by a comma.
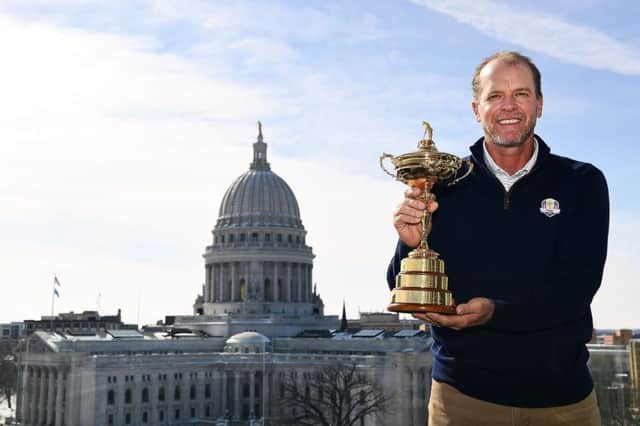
[(50, 397), (34, 391), (59, 414), (300, 284), (22, 397), (310, 281), (288, 283), (25, 395), (213, 277), (35, 396), (236, 395), (276, 289), (153, 387), (221, 293), (416, 397), (252, 392), (223, 394), (261, 279), (207, 285), (305, 279), (266, 394), (234, 284), (42, 406), (19, 391)]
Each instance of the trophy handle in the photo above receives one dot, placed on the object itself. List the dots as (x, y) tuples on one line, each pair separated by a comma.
[(469, 170), (382, 158)]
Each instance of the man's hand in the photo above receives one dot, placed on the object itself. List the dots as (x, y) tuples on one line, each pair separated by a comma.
[(477, 311), (407, 218)]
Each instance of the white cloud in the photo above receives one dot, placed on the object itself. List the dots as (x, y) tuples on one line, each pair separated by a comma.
[(615, 304), (115, 159), (542, 33), (301, 22)]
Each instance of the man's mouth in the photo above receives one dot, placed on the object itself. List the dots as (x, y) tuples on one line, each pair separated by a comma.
[(509, 121)]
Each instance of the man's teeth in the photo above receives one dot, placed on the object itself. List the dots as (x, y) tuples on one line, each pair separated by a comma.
[(509, 121)]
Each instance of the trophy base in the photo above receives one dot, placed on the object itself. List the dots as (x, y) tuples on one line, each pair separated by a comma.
[(415, 308)]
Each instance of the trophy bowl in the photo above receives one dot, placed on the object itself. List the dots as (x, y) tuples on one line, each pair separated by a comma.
[(422, 284)]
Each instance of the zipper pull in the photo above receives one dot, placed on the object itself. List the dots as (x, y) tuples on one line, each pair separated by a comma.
[(506, 201)]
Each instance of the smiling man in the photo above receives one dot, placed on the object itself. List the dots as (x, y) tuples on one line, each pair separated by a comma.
[(525, 241)]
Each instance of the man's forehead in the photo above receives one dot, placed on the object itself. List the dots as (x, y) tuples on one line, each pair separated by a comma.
[(494, 72)]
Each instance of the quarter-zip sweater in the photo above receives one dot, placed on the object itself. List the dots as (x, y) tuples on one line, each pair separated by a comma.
[(541, 272)]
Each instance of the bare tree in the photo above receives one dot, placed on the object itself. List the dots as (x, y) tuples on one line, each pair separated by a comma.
[(7, 370), (334, 395)]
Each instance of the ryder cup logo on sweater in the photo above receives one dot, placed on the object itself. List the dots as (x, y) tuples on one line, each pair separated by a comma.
[(549, 207)]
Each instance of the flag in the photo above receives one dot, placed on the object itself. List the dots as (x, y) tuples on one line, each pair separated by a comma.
[(56, 286)]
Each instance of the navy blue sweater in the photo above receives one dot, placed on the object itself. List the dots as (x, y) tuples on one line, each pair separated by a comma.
[(541, 272)]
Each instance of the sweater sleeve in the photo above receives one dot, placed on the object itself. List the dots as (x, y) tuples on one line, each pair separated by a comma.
[(402, 250), (576, 273)]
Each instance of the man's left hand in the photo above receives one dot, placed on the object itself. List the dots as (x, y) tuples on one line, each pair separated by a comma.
[(477, 311)]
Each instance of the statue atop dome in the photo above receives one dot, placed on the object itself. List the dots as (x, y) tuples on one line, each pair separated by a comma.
[(260, 153)]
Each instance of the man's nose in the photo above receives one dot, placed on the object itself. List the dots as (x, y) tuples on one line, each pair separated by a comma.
[(509, 102)]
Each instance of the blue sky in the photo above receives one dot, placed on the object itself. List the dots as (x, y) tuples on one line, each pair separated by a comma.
[(122, 124)]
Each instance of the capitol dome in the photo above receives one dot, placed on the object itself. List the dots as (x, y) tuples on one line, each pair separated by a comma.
[(248, 342), (259, 262), (259, 197)]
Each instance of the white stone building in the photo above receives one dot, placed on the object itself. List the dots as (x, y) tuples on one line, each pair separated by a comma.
[(245, 337)]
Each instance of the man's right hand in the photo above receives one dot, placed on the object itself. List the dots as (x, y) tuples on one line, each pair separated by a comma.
[(407, 218)]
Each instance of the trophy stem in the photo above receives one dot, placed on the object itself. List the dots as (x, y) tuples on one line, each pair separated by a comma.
[(427, 196)]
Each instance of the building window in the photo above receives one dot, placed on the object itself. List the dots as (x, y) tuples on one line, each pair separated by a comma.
[(289, 239), (193, 412), (207, 390), (279, 238), (231, 238), (297, 239), (207, 411), (192, 392), (177, 393), (161, 393), (110, 419), (127, 396), (161, 415), (145, 417), (177, 414), (145, 395), (127, 419), (267, 237), (254, 237), (111, 397), (222, 239), (242, 238)]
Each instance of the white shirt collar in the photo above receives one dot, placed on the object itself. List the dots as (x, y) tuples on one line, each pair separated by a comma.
[(504, 177), (498, 170)]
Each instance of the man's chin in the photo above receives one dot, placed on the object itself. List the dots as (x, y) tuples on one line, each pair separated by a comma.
[(508, 143)]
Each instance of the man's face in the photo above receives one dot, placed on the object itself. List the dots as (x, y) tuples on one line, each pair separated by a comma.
[(507, 106)]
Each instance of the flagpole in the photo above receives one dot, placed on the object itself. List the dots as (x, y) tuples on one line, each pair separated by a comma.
[(53, 300)]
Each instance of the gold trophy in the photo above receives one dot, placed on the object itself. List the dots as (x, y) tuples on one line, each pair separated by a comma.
[(422, 285)]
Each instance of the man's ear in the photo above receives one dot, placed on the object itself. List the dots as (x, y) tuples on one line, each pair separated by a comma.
[(474, 107), (540, 106)]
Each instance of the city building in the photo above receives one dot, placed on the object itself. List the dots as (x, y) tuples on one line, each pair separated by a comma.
[(70, 322), (12, 330), (258, 323)]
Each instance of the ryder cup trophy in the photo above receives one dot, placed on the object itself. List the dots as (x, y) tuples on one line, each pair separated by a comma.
[(422, 285)]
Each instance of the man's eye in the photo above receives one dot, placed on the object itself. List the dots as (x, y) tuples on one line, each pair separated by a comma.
[(493, 97), (521, 94)]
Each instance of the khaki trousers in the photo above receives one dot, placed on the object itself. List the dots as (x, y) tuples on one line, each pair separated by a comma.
[(450, 407)]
